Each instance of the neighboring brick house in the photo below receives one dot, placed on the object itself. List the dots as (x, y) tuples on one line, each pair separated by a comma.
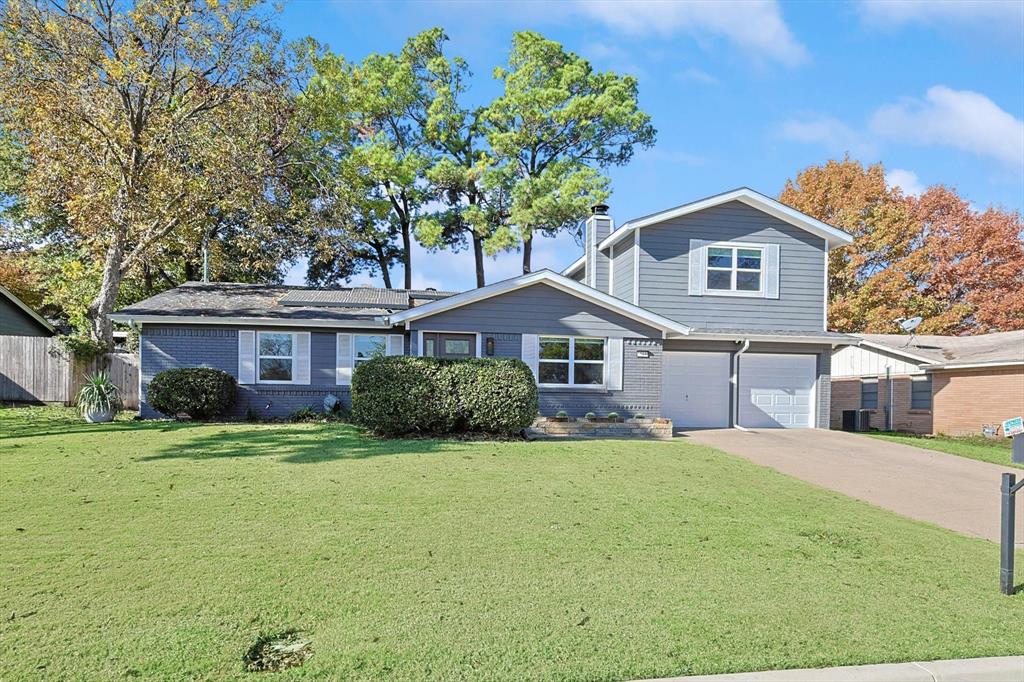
[(952, 385), (712, 313)]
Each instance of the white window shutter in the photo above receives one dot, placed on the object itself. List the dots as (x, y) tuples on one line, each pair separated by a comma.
[(771, 270), (531, 351), (613, 364), (246, 356), (396, 344), (697, 263), (301, 374), (343, 360)]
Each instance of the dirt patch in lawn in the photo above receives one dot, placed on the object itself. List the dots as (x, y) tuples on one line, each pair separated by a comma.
[(272, 653)]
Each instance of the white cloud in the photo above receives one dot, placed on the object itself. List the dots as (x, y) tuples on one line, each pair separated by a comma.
[(892, 13), (954, 118), (906, 180), (831, 133), (696, 75), (755, 26)]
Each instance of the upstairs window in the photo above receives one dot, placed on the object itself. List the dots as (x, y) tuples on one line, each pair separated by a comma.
[(570, 361), (734, 268)]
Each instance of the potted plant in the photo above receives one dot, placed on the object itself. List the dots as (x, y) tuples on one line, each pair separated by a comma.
[(614, 418), (561, 416), (590, 417), (98, 399)]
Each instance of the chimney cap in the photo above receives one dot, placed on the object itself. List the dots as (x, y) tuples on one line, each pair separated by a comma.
[(599, 209)]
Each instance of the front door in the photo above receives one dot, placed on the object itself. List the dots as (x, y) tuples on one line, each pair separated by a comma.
[(441, 345)]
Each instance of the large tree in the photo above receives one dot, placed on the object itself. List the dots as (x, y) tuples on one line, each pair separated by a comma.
[(556, 124), (370, 118), (142, 119), (930, 256)]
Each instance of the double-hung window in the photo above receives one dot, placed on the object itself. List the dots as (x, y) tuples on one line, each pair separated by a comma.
[(570, 361), (921, 393), (869, 394), (276, 357), (735, 269), (368, 346)]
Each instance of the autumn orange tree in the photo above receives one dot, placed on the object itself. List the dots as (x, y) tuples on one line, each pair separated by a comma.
[(143, 121), (933, 255)]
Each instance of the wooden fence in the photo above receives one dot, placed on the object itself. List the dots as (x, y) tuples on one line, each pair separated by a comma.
[(39, 369)]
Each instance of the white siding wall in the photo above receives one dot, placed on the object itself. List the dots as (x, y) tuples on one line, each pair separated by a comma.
[(858, 361)]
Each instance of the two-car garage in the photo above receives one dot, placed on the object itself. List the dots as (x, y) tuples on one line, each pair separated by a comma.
[(774, 390)]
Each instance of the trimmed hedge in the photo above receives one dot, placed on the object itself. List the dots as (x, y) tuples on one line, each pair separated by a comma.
[(199, 392), (400, 394)]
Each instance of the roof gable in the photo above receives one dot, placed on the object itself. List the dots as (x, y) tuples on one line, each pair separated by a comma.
[(28, 312), (554, 280)]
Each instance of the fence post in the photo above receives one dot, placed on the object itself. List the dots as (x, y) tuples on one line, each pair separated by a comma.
[(1006, 534)]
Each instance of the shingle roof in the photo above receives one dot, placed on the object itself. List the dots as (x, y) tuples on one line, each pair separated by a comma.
[(222, 299), (956, 350)]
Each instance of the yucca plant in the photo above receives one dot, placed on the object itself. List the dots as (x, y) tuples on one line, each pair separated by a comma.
[(99, 398)]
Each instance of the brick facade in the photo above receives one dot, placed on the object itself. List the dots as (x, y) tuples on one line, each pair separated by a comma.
[(846, 394), (962, 401), (965, 400)]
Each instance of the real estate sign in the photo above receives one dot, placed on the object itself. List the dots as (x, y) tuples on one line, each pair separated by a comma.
[(1013, 427)]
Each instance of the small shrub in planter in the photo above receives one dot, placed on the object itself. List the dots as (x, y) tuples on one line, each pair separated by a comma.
[(400, 394), (98, 399), (561, 416), (639, 416), (199, 392), (614, 417), (590, 416)]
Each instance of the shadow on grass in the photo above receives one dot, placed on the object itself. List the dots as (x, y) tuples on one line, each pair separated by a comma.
[(295, 444)]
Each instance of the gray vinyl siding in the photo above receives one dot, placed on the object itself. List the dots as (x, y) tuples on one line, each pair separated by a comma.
[(16, 322), (173, 346), (823, 382), (537, 309), (664, 268), (622, 267)]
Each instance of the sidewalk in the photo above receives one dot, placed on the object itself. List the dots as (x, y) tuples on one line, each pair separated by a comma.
[(998, 669)]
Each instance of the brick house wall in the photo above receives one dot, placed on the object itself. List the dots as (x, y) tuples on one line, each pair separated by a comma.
[(964, 400), (846, 396)]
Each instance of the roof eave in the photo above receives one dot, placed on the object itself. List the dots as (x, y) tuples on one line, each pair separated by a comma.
[(130, 318), (774, 338), (28, 311), (974, 365)]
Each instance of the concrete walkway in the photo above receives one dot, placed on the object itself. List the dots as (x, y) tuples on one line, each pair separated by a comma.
[(1001, 669), (955, 492)]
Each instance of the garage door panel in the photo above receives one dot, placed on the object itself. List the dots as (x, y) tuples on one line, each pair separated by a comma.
[(777, 390), (695, 389)]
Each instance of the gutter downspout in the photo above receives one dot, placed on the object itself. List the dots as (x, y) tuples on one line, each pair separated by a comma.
[(735, 384)]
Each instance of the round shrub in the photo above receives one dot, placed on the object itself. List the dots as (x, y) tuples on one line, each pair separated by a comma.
[(399, 395), (199, 392)]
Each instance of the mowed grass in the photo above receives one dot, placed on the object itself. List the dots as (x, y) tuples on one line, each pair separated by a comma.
[(161, 550), (994, 450)]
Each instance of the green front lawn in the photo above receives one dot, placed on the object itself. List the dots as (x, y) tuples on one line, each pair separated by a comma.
[(994, 450), (162, 550)]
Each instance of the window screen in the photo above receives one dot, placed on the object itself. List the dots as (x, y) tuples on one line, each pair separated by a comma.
[(869, 395), (921, 393)]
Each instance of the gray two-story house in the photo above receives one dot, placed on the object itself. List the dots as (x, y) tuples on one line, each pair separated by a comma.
[(713, 314)]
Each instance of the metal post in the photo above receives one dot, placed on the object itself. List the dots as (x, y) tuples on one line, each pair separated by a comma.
[(1006, 534)]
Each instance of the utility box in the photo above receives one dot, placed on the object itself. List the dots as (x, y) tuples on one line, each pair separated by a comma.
[(1018, 449), (864, 420), (856, 420)]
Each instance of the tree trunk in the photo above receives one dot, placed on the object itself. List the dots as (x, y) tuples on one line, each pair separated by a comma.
[(99, 310), (527, 252), (383, 262), (478, 256), (407, 254)]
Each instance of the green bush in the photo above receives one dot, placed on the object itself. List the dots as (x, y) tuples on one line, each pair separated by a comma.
[(199, 392), (399, 395)]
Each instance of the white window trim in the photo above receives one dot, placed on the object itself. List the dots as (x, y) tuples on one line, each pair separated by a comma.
[(571, 362), (293, 357), (735, 246), (355, 359)]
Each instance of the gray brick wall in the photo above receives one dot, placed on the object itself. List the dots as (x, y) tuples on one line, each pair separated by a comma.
[(171, 347), (641, 383)]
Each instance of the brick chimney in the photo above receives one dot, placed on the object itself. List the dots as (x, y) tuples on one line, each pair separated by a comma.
[(599, 225)]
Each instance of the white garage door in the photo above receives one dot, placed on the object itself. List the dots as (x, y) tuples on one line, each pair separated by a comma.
[(695, 389), (777, 391)]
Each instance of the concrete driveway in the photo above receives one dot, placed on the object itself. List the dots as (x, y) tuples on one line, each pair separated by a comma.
[(957, 493)]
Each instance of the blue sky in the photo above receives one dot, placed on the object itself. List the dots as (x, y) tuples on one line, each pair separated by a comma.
[(746, 93)]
